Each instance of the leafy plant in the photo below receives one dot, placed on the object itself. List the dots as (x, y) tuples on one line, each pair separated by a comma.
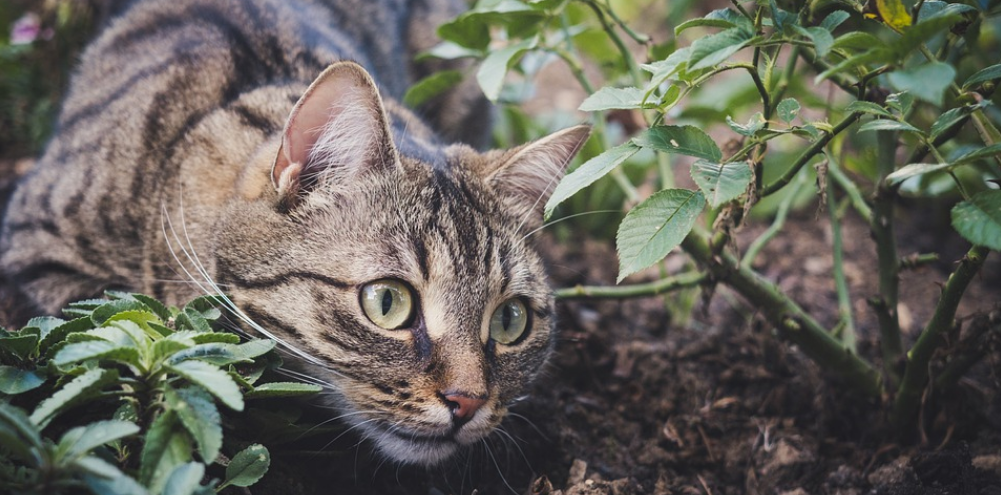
[(143, 383), (917, 78)]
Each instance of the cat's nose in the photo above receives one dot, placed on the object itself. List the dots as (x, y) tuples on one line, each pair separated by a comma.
[(463, 406)]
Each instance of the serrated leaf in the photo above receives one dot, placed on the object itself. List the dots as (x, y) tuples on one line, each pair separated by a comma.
[(254, 348), (431, 86), (192, 321), (977, 154), (214, 353), (721, 182), (919, 33), (666, 68), (914, 170), (716, 48), (608, 98), (185, 479), (682, 139), (214, 380), (989, 74), (979, 219), (656, 226), (466, 31), (821, 38), (282, 389), (59, 333), (97, 349), (754, 125), (934, 8), (22, 433), (248, 466), (109, 309), (716, 22), (927, 81), (200, 416), (81, 440), (901, 102), (22, 346), (88, 304), (448, 50), (868, 107), (44, 324), (77, 390), (788, 109), (15, 381), (166, 447), (589, 172), (218, 337), (157, 307), (888, 125), (494, 68), (834, 19), (947, 120)]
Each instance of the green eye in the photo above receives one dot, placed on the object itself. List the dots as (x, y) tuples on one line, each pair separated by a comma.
[(509, 321), (388, 303)]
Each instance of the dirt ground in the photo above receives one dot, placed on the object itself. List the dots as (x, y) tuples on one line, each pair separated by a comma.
[(634, 405)]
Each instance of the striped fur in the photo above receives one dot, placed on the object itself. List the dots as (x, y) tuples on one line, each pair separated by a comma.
[(178, 168)]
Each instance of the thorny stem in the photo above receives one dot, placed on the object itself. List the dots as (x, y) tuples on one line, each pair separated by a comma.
[(655, 288), (808, 155), (881, 226), (780, 218), (918, 358), (841, 285), (970, 351), (792, 322)]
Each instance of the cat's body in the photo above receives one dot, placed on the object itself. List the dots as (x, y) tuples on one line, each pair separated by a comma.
[(203, 145)]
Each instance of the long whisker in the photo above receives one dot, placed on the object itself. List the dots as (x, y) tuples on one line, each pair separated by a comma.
[(568, 217), (553, 181)]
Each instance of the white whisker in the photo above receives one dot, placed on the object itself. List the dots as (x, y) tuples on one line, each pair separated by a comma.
[(568, 217)]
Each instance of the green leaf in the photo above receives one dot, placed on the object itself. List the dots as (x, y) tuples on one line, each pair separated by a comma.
[(979, 219), (217, 354), (59, 333), (716, 48), (888, 125), (935, 8), (858, 40), (96, 466), (920, 33), (493, 69), (788, 109), (721, 182), (989, 74), (82, 439), (893, 13), (18, 433), (914, 170), (157, 307), (876, 55), (254, 348), (192, 320), (588, 173), (868, 107), (282, 389), (212, 379), (927, 81), (109, 309), (722, 18), (185, 479), (834, 19), (22, 346), (901, 102), (218, 337), (947, 120), (754, 125), (45, 325), (466, 31), (200, 416), (821, 38), (608, 98), (248, 466), (117, 485), (682, 139), (431, 86), (78, 390), (656, 226), (977, 154), (666, 68), (97, 349), (15, 381), (166, 447)]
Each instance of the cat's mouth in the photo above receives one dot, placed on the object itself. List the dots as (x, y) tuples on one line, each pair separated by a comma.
[(410, 446)]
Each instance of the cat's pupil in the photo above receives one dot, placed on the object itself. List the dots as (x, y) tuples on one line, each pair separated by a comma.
[(506, 316), (387, 302)]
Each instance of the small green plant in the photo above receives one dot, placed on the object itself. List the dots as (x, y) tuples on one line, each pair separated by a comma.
[(124, 399), (919, 77)]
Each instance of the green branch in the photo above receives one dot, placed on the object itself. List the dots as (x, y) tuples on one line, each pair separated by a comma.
[(657, 287), (916, 377), (847, 327), (816, 148), (881, 225), (792, 322)]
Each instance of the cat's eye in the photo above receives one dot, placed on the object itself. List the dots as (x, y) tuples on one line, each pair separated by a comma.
[(509, 321), (388, 303)]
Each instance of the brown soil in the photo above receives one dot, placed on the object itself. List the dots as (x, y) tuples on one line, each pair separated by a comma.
[(633, 404)]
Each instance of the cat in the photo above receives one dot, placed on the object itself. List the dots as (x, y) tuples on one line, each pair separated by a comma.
[(258, 148)]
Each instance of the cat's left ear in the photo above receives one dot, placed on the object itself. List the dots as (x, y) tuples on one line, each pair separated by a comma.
[(337, 129), (528, 175)]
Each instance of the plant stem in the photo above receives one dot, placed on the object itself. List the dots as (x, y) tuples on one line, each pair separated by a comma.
[(881, 225), (667, 284), (791, 321), (854, 195), (841, 285), (808, 155), (969, 351), (780, 218), (634, 69), (918, 358)]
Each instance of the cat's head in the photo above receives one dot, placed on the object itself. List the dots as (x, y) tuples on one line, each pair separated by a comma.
[(401, 271)]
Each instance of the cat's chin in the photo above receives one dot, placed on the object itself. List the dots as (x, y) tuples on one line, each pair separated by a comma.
[(417, 449)]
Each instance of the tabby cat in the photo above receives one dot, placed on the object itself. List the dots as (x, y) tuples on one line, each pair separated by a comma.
[(256, 148)]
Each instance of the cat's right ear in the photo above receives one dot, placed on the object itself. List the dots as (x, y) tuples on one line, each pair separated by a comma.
[(337, 129)]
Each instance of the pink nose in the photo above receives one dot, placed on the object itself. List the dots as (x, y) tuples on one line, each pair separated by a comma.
[(463, 407)]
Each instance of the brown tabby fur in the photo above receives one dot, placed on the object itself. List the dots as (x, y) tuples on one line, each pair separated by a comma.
[(186, 162)]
